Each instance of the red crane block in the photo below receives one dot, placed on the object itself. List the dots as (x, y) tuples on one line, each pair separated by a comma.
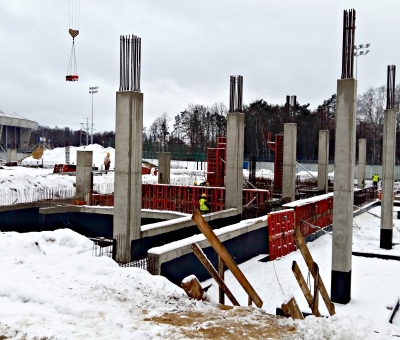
[(280, 232)]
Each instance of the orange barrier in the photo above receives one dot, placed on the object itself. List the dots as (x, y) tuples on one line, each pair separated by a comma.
[(280, 232)]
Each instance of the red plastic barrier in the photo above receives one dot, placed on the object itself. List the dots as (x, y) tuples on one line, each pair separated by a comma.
[(280, 232), (316, 212)]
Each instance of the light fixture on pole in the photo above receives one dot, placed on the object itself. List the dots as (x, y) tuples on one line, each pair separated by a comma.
[(359, 51), (91, 91)]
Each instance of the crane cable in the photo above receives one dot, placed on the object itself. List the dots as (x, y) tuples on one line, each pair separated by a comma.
[(74, 14)]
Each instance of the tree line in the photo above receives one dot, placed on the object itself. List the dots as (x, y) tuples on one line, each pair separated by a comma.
[(196, 128)]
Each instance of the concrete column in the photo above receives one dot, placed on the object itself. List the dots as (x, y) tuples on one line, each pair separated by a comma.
[(11, 155), (289, 162), (323, 161), (84, 177), (234, 161), (362, 157), (25, 135), (128, 171), (1, 131), (388, 163), (164, 167), (345, 149)]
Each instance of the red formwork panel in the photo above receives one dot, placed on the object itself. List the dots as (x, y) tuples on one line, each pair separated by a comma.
[(104, 200), (280, 233), (314, 212)]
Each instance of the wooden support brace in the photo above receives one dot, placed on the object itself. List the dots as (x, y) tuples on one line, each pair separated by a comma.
[(303, 285), (291, 309), (221, 273), (207, 264), (192, 287), (226, 257), (301, 244)]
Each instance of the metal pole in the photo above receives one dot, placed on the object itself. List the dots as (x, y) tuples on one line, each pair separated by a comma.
[(91, 140)]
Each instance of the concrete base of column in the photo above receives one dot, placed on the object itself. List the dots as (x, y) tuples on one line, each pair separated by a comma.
[(342, 283), (386, 241)]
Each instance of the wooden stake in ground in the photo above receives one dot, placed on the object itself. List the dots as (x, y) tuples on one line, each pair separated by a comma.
[(302, 246), (207, 264), (226, 257), (192, 287), (303, 285), (291, 309)]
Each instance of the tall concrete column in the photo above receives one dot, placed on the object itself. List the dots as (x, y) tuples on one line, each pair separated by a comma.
[(1, 131), (11, 155), (345, 143), (362, 156), (234, 161), (289, 162), (25, 135), (84, 176), (164, 167), (388, 163), (323, 161), (128, 171)]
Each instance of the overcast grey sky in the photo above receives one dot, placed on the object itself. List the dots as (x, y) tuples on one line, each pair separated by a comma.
[(189, 50)]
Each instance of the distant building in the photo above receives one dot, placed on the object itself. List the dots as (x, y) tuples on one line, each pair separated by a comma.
[(15, 129)]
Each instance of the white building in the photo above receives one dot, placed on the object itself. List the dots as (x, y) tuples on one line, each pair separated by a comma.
[(15, 128)]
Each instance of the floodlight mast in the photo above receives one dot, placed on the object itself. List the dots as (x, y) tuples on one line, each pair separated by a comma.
[(360, 50), (92, 90)]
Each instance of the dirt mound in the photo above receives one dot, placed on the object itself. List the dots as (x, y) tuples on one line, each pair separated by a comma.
[(237, 323), (37, 153)]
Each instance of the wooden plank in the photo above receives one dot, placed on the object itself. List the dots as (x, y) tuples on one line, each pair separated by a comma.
[(303, 285), (226, 257), (291, 309), (207, 264), (301, 244), (221, 273), (314, 307), (192, 287)]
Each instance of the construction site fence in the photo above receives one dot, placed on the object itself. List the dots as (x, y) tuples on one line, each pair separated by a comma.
[(11, 196), (147, 263)]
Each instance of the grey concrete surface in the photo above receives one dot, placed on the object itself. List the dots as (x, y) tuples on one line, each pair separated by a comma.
[(323, 160), (345, 143), (164, 167), (128, 169), (289, 162), (84, 177), (234, 161), (362, 156), (388, 160), (167, 252)]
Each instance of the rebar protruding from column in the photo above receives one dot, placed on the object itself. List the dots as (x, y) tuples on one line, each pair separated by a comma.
[(130, 61), (349, 28), (236, 94), (391, 84)]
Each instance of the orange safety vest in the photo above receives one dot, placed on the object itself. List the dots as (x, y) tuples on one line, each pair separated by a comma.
[(203, 207)]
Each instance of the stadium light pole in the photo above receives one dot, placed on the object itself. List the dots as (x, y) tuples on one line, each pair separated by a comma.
[(359, 51), (92, 90)]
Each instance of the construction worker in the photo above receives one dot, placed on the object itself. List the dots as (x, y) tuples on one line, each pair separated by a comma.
[(375, 180), (107, 162), (204, 206)]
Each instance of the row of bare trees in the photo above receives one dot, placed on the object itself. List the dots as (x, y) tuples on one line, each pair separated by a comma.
[(197, 127)]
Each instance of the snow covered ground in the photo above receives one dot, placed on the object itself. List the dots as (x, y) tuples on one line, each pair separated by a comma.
[(51, 287)]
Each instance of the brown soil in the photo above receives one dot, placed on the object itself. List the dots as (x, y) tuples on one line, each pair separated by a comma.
[(37, 153), (223, 324)]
